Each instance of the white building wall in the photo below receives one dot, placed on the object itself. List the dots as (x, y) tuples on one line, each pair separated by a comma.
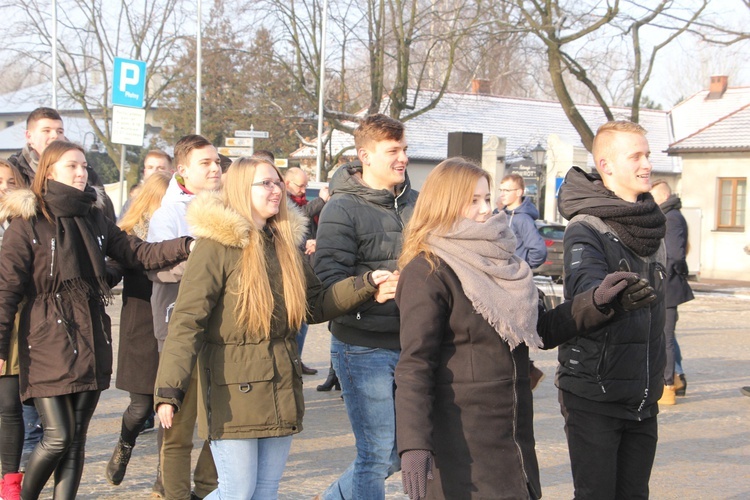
[(721, 252)]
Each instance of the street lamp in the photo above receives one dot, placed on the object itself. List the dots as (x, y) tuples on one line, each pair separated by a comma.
[(94, 142), (537, 156)]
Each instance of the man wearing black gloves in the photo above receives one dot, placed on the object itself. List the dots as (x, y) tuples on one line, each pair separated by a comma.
[(610, 380)]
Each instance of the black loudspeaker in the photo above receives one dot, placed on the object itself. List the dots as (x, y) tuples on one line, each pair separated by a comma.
[(465, 144)]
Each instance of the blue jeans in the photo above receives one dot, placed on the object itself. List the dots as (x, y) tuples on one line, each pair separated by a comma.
[(33, 432), (366, 375), (249, 468), (301, 335)]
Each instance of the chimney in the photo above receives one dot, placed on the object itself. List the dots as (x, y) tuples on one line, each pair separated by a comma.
[(718, 87), (480, 86)]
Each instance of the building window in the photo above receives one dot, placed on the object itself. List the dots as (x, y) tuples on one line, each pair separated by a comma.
[(732, 199), (9, 123)]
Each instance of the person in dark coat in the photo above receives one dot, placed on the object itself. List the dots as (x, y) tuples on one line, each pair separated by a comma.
[(611, 380), (677, 288), (138, 353), (53, 256), (296, 181), (469, 314)]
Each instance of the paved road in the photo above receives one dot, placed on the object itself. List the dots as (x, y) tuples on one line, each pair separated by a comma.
[(704, 448)]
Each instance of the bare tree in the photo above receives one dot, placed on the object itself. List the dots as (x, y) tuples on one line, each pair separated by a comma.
[(582, 39), (90, 35), (397, 41)]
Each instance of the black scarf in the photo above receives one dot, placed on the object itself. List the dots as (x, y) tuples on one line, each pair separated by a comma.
[(640, 225), (80, 257)]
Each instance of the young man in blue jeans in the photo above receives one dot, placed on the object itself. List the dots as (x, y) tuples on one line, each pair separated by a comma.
[(360, 230)]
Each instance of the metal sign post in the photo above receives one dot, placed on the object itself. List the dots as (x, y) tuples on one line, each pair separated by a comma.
[(128, 115)]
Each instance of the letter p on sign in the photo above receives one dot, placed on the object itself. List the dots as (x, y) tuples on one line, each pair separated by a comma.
[(129, 83), (129, 75)]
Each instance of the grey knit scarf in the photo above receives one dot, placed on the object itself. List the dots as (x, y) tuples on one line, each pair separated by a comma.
[(499, 285)]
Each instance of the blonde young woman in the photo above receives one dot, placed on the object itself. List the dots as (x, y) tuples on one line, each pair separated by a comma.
[(53, 259), (137, 355), (245, 293), (469, 315)]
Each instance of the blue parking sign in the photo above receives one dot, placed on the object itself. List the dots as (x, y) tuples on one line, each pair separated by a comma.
[(129, 83)]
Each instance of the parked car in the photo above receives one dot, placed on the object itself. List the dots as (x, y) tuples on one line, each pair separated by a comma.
[(313, 188), (552, 233)]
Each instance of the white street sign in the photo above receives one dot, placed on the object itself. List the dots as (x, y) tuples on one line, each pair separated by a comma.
[(128, 125), (255, 134), (238, 142), (236, 152)]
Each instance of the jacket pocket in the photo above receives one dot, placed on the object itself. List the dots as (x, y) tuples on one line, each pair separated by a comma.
[(243, 395)]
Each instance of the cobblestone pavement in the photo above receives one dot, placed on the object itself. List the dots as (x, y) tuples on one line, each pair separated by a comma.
[(704, 446)]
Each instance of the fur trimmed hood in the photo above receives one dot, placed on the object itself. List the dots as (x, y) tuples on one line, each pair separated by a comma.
[(22, 203), (209, 218)]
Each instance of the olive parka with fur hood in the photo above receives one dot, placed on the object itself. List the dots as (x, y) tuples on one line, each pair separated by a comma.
[(249, 387), (66, 342)]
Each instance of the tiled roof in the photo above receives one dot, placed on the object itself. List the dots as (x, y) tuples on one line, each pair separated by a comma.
[(729, 133), (522, 122), (696, 112)]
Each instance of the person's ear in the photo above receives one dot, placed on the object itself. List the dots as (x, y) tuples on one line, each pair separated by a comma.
[(604, 167), (364, 156)]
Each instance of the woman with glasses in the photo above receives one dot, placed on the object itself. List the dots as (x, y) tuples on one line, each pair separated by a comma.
[(245, 293)]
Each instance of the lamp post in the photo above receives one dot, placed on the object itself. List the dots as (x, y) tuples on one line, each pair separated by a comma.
[(94, 142), (537, 156)]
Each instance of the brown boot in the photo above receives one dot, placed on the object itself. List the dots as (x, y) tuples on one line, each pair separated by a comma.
[(668, 397)]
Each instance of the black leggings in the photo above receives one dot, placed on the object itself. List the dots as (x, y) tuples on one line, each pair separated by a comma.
[(11, 424), (62, 449), (136, 414)]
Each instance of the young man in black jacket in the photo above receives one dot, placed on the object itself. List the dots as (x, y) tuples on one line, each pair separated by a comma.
[(360, 230), (611, 380)]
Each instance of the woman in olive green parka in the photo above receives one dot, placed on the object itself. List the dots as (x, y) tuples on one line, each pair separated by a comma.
[(245, 292)]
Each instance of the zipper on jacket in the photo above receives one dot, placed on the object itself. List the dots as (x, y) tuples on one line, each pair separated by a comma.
[(52, 261), (515, 419), (208, 401), (648, 366), (359, 315), (106, 334), (599, 365)]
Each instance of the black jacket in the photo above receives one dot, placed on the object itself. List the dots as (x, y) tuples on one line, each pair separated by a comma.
[(360, 230), (64, 344), (678, 289), (617, 370)]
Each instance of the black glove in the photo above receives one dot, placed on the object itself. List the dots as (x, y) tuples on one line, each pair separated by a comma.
[(637, 295), (611, 286), (416, 469), (680, 268)]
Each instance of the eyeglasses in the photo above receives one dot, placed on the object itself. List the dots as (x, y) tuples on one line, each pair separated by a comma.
[(269, 184), (301, 186), (508, 190)]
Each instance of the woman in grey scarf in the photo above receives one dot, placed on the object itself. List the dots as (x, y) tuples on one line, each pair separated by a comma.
[(470, 313)]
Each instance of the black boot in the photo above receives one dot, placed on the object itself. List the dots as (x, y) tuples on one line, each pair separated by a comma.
[(119, 462), (331, 382)]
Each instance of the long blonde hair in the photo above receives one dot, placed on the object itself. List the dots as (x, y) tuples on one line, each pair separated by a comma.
[(255, 302), (146, 202), (446, 193)]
